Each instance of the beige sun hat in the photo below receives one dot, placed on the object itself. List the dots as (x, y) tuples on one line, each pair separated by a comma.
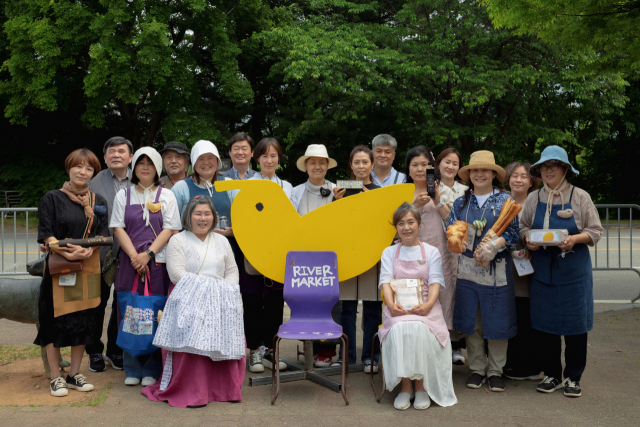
[(315, 150), (481, 160)]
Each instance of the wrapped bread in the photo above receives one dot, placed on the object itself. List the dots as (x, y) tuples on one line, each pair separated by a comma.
[(548, 237), (457, 235), (407, 292)]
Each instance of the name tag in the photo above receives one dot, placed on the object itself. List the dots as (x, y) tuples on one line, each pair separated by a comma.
[(523, 266), (471, 238), (412, 283), (161, 257), (68, 279)]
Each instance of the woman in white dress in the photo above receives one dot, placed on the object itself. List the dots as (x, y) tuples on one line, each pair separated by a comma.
[(415, 342)]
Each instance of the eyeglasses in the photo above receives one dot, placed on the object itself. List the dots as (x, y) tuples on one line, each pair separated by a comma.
[(552, 167)]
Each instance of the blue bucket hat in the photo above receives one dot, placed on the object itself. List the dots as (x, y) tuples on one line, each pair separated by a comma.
[(554, 154)]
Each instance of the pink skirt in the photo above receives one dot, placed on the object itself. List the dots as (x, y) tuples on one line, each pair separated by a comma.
[(197, 380)]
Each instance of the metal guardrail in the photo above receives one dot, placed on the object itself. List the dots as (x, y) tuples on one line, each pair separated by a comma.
[(15, 211), (606, 224)]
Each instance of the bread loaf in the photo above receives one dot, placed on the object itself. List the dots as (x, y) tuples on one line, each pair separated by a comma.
[(457, 234)]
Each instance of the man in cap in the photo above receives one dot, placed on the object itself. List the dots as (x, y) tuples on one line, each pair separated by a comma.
[(175, 159)]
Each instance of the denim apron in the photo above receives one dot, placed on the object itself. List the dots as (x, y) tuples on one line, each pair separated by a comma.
[(478, 285), (562, 281), (220, 198)]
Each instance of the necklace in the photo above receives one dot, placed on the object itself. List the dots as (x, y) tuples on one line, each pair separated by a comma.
[(483, 221)]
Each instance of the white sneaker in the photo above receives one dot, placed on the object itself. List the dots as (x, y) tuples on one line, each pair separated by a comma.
[(267, 361), (58, 387), (255, 363), (403, 401), (78, 382), (457, 357), (149, 381), (131, 381), (422, 400), (368, 366)]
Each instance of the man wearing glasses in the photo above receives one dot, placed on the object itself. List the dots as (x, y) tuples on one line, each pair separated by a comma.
[(241, 152)]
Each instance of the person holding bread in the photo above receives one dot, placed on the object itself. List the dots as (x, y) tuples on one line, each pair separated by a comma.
[(562, 280), (483, 229)]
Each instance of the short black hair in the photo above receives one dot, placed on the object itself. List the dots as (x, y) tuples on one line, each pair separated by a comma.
[(241, 136), (117, 140), (134, 177)]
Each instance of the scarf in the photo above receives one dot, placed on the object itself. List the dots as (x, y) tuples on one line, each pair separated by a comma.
[(148, 197), (208, 185), (81, 197), (560, 188)]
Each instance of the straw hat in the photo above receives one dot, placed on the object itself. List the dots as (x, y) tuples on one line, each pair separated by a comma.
[(315, 150), (481, 160), (554, 154), (203, 147)]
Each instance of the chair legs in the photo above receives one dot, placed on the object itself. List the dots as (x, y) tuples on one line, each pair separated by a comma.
[(345, 368), (373, 385)]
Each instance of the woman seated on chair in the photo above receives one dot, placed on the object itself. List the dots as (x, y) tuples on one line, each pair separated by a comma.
[(415, 342), (201, 330)]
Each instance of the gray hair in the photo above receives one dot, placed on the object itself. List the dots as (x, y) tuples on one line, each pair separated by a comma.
[(384, 139), (198, 200), (404, 209)]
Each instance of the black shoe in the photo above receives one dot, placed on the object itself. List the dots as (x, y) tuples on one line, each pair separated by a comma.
[(496, 383), (549, 385), (475, 381), (96, 363), (58, 387), (78, 382), (521, 375), (572, 388), (115, 360), (268, 362)]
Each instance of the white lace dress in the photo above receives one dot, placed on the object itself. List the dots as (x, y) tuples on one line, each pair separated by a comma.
[(203, 314)]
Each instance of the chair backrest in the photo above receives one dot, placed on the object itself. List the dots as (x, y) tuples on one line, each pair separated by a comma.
[(311, 286)]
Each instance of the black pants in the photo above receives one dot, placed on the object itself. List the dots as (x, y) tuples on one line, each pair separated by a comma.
[(112, 328), (327, 347), (575, 355), (523, 358), (262, 318)]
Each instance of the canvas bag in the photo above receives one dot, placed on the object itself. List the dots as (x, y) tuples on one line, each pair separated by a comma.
[(139, 318)]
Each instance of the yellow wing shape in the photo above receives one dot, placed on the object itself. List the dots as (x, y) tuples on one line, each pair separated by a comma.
[(357, 228)]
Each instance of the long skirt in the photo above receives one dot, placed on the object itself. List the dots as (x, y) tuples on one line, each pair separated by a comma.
[(411, 350)]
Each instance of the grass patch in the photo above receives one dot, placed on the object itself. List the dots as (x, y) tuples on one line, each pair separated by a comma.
[(11, 353), (99, 399)]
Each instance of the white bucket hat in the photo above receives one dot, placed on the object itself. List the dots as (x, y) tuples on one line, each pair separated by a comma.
[(203, 147), (155, 157), (315, 150)]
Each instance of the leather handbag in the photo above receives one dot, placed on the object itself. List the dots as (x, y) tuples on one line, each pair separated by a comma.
[(60, 265)]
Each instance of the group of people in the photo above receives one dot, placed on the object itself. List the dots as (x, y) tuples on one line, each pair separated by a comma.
[(175, 232)]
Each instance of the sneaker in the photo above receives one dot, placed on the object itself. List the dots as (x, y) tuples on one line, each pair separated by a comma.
[(255, 363), (131, 381), (572, 388), (146, 381), (549, 385), (402, 401), (422, 400), (522, 376), (59, 387), (96, 363), (115, 361), (78, 382), (267, 361), (457, 357), (475, 381), (496, 383), (337, 364), (368, 367), (322, 361)]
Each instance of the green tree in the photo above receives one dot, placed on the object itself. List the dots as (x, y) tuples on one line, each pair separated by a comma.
[(609, 27)]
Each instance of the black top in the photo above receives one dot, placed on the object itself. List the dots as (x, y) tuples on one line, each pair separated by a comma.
[(352, 191), (62, 218)]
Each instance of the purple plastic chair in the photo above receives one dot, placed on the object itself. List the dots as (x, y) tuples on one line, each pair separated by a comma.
[(311, 298)]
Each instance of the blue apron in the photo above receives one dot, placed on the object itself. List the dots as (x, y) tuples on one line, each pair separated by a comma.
[(562, 282), (478, 284), (220, 198)]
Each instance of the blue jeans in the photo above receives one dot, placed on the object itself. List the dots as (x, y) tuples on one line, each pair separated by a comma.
[(149, 365), (371, 319)]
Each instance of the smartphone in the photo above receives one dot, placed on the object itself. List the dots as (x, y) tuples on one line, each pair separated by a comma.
[(431, 181)]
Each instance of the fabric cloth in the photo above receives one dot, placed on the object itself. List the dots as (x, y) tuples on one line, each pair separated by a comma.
[(98, 346), (306, 197), (149, 365), (81, 197), (212, 258), (262, 317), (169, 209), (492, 286), (285, 185), (585, 213), (523, 352), (431, 233), (203, 147), (457, 190), (562, 282), (61, 218), (412, 351), (412, 253), (234, 174), (481, 362), (575, 355), (554, 192), (183, 192), (394, 177), (153, 155)]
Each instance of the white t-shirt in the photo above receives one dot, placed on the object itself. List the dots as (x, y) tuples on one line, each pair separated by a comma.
[(412, 253), (169, 209)]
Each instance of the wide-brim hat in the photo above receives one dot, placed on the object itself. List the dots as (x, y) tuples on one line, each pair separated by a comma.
[(178, 147), (151, 152), (203, 147), (554, 154), (481, 160), (315, 150)]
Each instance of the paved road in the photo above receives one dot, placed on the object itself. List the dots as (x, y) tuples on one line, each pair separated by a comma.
[(624, 250)]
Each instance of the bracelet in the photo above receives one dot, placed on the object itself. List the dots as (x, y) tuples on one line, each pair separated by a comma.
[(441, 204)]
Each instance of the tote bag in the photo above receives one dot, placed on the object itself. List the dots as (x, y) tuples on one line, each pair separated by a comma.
[(139, 319)]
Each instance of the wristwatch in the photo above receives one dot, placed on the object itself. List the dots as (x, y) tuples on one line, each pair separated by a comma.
[(151, 254)]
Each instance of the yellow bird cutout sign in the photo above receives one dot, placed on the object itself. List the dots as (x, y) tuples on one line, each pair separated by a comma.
[(356, 228)]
